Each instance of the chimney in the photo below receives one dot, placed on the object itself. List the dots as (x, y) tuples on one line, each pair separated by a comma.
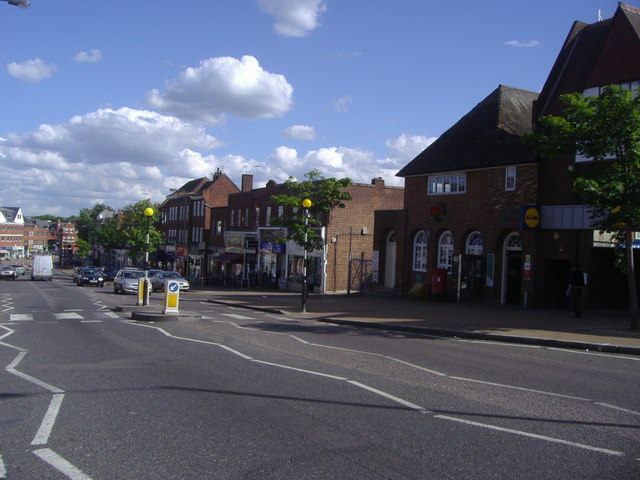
[(378, 181), (247, 182), (217, 175)]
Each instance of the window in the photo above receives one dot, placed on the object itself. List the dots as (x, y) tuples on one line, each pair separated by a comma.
[(420, 252), (257, 219), (232, 222), (246, 217), (475, 244), (447, 184), (445, 251), (267, 219), (510, 178)]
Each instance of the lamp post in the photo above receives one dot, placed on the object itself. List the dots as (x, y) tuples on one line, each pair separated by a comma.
[(306, 203), (148, 212)]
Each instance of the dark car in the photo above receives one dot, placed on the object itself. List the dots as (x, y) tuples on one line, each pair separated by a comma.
[(8, 272), (90, 276), (109, 273)]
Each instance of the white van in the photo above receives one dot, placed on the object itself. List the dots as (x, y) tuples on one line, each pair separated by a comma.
[(42, 268)]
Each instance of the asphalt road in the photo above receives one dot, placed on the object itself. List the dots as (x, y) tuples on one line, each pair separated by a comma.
[(86, 393)]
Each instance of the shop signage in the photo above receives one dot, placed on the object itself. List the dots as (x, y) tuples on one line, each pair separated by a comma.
[(529, 217)]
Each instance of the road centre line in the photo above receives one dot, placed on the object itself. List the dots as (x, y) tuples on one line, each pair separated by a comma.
[(531, 435), (607, 405), (60, 464), (396, 399)]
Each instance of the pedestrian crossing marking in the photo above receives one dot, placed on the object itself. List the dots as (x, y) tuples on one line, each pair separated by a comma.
[(20, 317), (67, 316)]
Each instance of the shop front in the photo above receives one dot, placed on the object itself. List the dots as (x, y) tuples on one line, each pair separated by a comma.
[(295, 269), (273, 258)]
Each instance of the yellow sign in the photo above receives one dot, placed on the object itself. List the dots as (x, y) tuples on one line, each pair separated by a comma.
[(532, 217)]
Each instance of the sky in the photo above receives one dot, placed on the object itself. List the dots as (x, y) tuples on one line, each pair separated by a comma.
[(116, 101)]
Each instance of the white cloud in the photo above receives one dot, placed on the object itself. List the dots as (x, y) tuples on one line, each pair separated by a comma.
[(31, 71), (224, 85), (519, 44), (294, 18), (407, 147), (94, 56), (300, 132), (116, 156), (343, 104)]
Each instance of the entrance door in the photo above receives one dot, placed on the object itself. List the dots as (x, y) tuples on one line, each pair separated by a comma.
[(512, 269), (390, 261)]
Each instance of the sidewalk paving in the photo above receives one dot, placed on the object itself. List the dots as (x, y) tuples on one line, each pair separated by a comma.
[(599, 330)]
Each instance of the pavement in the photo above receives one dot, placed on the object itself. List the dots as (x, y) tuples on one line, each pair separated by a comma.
[(597, 330)]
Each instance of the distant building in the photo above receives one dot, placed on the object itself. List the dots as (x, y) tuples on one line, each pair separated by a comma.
[(11, 233)]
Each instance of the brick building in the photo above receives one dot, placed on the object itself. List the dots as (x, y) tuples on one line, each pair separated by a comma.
[(185, 223), (11, 233), (463, 204), (253, 256), (592, 56)]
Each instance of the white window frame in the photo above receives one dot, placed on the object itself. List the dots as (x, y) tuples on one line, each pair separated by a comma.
[(450, 184), (420, 252), (510, 179), (445, 251), (475, 244)]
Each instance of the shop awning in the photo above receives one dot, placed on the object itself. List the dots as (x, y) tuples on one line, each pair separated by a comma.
[(229, 258)]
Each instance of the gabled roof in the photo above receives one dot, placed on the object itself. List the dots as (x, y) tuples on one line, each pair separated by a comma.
[(488, 136), (10, 215), (593, 55), (196, 186)]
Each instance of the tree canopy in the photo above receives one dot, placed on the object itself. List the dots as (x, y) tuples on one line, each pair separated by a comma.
[(606, 131), (325, 195)]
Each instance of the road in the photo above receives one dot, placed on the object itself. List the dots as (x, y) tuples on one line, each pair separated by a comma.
[(87, 393)]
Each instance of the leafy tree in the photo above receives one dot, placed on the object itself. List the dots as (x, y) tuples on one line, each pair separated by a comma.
[(86, 222), (84, 248), (325, 195), (606, 129), (110, 235), (134, 226)]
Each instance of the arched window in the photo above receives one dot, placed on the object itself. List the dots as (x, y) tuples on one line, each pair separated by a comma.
[(513, 242), (445, 251), (475, 244), (420, 252)]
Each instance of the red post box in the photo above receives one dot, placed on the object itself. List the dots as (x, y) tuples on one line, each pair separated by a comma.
[(438, 283)]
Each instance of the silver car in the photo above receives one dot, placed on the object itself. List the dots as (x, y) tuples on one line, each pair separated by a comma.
[(159, 281), (126, 281)]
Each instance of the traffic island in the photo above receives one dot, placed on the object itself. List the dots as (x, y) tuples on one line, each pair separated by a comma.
[(159, 316)]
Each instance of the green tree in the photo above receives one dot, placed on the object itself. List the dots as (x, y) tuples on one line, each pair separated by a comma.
[(86, 222), (134, 226), (606, 129), (84, 248), (110, 235), (325, 195)]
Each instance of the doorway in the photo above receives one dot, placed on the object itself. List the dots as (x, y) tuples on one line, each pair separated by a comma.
[(512, 269), (390, 261)]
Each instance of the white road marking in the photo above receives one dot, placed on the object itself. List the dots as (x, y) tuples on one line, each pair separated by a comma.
[(396, 399), (531, 435), (60, 464), (606, 405), (20, 317), (90, 321), (3, 471), (67, 316), (238, 316), (49, 420), (11, 369)]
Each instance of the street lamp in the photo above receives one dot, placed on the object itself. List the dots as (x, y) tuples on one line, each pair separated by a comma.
[(148, 212), (306, 203)]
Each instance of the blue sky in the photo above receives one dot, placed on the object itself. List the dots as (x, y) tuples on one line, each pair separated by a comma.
[(114, 101)]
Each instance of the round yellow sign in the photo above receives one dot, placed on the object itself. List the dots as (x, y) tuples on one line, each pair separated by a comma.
[(532, 217)]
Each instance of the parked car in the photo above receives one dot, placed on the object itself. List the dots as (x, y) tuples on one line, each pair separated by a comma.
[(159, 281), (126, 281), (109, 273), (76, 273), (8, 272), (90, 276), (18, 268)]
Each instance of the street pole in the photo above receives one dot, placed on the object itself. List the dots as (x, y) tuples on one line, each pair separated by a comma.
[(306, 203), (148, 212)]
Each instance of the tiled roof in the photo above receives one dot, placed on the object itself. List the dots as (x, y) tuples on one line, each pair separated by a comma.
[(9, 213), (488, 136)]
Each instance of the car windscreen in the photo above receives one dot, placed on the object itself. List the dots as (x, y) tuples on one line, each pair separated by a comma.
[(171, 275), (133, 274)]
